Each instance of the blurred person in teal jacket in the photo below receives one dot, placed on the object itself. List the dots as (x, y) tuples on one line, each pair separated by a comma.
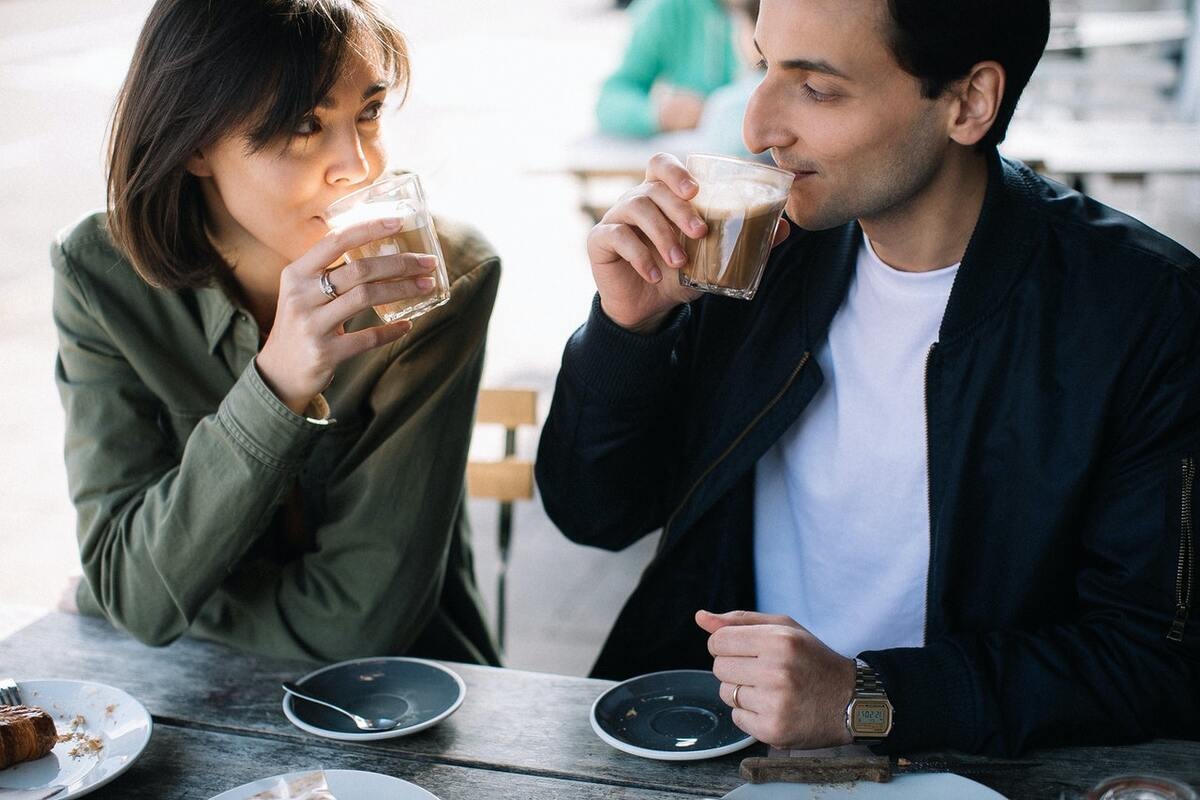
[(679, 53)]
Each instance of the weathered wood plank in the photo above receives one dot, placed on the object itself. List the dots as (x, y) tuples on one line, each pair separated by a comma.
[(529, 722), (192, 764), (513, 721)]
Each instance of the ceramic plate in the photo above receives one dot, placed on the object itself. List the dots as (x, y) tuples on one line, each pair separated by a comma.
[(671, 716), (108, 728), (348, 783), (926, 786), (419, 693)]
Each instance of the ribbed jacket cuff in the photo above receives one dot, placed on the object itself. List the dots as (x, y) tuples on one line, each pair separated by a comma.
[(933, 693), (264, 427), (618, 365)]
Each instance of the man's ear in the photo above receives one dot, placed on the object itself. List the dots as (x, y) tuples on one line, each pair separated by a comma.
[(977, 102), (198, 165)]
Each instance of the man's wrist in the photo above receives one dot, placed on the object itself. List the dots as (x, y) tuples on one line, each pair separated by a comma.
[(646, 327)]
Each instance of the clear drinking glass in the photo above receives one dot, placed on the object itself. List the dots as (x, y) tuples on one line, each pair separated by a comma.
[(397, 196), (741, 202)]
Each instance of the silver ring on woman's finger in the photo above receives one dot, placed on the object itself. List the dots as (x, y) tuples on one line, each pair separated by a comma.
[(327, 287), (737, 688)]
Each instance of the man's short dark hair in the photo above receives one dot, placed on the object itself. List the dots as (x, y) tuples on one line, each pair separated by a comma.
[(938, 41)]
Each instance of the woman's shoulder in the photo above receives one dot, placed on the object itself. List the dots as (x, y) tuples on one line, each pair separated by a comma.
[(86, 247), (464, 247)]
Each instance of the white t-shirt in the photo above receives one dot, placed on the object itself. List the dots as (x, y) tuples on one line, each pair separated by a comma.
[(841, 511)]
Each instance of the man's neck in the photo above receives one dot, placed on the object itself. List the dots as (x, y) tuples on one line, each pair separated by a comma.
[(931, 230)]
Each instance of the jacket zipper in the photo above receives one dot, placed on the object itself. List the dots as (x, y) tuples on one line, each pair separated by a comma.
[(758, 417), (1184, 573), (928, 490)]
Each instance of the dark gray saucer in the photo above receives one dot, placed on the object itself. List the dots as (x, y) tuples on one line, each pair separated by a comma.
[(673, 716), (416, 692)]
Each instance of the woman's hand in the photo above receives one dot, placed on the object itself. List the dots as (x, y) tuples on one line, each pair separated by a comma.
[(307, 340)]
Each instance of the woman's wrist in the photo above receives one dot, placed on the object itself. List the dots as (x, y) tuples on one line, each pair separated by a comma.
[(296, 402)]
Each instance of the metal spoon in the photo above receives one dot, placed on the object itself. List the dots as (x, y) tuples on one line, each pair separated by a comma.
[(371, 725)]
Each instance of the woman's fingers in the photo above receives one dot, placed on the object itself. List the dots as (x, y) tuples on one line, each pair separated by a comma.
[(348, 345), (380, 268), (342, 240), (368, 295)]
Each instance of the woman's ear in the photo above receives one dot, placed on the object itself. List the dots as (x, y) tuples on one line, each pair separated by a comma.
[(198, 165)]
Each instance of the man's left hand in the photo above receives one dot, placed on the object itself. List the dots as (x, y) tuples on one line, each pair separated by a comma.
[(794, 690)]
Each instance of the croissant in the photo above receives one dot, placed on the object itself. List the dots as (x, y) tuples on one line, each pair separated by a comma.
[(26, 733)]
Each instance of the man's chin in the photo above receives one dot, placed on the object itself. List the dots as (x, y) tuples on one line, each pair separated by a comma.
[(812, 217)]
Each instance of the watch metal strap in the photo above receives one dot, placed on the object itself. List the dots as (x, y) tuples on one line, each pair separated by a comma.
[(866, 679)]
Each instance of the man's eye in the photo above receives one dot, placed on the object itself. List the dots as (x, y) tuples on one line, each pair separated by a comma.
[(761, 65), (819, 97)]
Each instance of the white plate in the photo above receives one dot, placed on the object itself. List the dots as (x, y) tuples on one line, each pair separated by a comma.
[(417, 692), (923, 786), (120, 723), (348, 783)]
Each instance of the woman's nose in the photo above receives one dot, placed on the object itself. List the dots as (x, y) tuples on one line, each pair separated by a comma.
[(349, 165)]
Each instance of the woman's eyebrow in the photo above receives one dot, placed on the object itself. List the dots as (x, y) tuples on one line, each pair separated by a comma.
[(373, 89)]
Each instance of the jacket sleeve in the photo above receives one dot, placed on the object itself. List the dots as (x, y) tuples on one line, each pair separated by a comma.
[(605, 465), (157, 534), (375, 579), (1127, 668), (625, 107)]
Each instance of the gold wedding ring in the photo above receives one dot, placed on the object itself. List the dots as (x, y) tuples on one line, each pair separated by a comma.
[(737, 688)]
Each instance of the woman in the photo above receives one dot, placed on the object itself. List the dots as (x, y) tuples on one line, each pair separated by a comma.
[(202, 366)]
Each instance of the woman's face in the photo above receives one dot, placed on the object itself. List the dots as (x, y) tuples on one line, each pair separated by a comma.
[(265, 207)]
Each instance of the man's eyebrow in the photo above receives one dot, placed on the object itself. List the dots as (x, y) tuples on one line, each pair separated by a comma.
[(808, 64), (373, 89)]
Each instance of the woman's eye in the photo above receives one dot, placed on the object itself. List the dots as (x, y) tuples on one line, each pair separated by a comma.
[(372, 112), (307, 127)]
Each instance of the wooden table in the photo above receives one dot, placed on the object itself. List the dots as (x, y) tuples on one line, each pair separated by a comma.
[(218, 724)]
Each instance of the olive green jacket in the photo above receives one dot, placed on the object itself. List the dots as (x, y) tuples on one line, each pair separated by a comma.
[(179, 461)]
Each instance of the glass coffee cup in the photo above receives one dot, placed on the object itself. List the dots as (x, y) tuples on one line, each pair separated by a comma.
[(399, 197), (741, 203)]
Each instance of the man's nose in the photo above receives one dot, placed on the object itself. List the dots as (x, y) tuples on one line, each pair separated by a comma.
[(765, 123)]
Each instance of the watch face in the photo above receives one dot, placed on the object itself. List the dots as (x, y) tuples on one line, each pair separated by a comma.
[(871, 717)]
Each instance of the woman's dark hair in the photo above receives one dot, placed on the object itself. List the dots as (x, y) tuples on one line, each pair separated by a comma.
[(200, 71), (938, 41)]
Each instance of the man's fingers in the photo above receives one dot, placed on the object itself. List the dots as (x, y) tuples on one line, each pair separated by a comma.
[(624, 242), (713, 622), (679, 212), (747, 721), (782, 231), (738, 669), (668, 169), (341, 240), (647, 220)]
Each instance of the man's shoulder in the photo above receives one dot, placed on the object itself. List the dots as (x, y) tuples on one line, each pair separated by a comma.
[(1100, 237)]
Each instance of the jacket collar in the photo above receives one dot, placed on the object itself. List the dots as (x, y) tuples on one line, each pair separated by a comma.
[(999, 251), (216, 314)]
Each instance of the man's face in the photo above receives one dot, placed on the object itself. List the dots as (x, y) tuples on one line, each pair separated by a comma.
[(836, 109)]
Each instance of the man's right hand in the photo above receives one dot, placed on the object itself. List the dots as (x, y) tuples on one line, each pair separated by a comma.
[(635, 249)]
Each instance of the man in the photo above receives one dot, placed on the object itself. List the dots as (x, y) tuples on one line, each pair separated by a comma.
[(947, 453)]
